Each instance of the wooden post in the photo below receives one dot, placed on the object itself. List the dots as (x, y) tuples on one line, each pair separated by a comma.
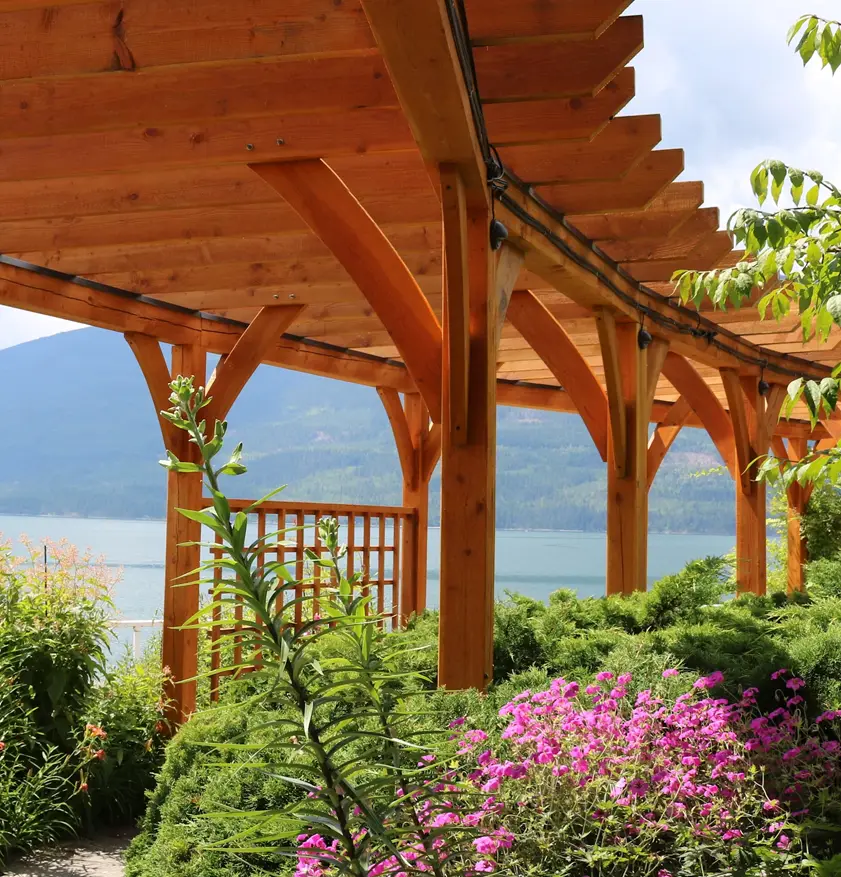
[(418, 447), (631, 375), (797, 496), (416, 495), (753, 417), (468, 470), (797, 547), (184, 490)]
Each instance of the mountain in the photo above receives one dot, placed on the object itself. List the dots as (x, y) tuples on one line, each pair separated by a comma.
[(80, 437)]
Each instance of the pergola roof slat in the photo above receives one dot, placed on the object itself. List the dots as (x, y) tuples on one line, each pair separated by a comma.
[(528, 71), (127, 134), (100, 37)]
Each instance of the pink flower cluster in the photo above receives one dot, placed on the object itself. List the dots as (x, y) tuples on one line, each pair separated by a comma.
[(698, 765), (419, 849)]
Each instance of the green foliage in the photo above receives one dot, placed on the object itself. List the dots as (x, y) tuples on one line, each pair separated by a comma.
[(821, 523), (77, 741), (813, 36), (53, 638), (36, 792), (792, 254), (342, 734), (128, 705), (182, 828)]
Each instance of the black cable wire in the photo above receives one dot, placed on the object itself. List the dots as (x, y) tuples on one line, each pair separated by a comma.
[(326, 347)]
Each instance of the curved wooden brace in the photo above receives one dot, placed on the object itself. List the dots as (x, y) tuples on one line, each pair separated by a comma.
[(664, 436), (536, 323), (431, 452), (609, 344), (406, 450), (150, 357), (509, 264), (737, 407), (683, 376), (781, 452), (235, 369), (328, 207)]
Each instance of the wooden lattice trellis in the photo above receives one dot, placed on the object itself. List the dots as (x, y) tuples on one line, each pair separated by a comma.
[(378, 538)]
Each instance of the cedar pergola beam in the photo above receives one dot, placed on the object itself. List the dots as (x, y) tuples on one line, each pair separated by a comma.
[(664, 437), (634, 191), (58, 296), (684, 377), (586, 286), (328, 207), (491, 20), (418, 449), (179, 145), (614, 151), (90, 38), (531, 70), (150, 358), (417, 44)]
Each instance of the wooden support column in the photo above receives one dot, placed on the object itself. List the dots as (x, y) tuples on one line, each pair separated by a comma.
[(753, 417), (418, 447), (631, 376), (179, 650), (181, 595), (798, 496), (468, 470)]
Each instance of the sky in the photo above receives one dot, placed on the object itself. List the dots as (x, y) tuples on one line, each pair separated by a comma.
[(730, 92)]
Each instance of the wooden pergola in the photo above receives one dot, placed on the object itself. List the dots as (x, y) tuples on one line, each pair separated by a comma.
[(438, 200)]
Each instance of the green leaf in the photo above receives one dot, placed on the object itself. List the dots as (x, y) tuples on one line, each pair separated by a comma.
[(308, 718), (833, 307), (812, 195), (759, 183), (797, 27)]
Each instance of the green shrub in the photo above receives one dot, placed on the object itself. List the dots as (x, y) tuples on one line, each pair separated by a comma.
[(128, 707), (821, 523), (79, 742), (54, 637), (198, 794), (36, 786), (823, 576), (518, 643)]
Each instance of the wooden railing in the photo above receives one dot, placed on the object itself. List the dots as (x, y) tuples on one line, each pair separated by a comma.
[(379, 540)]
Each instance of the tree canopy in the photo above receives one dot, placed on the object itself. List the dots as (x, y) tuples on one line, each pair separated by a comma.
[(792, 243)]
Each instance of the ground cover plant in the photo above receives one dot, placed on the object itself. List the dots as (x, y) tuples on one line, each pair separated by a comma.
[(78, 739)]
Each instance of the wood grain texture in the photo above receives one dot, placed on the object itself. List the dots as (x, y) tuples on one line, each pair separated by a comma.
[(332, 212), (554, 346)]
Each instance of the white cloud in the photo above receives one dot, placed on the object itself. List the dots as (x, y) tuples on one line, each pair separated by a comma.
[(732, 92), (16, 326)]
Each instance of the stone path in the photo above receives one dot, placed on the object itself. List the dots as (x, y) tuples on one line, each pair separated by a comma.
[(96, 857)]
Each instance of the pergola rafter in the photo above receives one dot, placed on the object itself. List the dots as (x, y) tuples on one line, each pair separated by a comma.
[(304, 183)]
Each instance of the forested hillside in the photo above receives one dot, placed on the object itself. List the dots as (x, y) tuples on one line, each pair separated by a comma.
[(79, 437)]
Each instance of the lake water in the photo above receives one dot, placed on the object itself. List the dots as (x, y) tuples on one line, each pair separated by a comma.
[(532, 563)]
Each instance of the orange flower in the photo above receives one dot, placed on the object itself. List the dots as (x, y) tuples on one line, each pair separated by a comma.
[(95, 731), (83, 787), (2, 745)]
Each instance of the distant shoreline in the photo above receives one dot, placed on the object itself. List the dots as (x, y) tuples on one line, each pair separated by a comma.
[(499, 529)]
